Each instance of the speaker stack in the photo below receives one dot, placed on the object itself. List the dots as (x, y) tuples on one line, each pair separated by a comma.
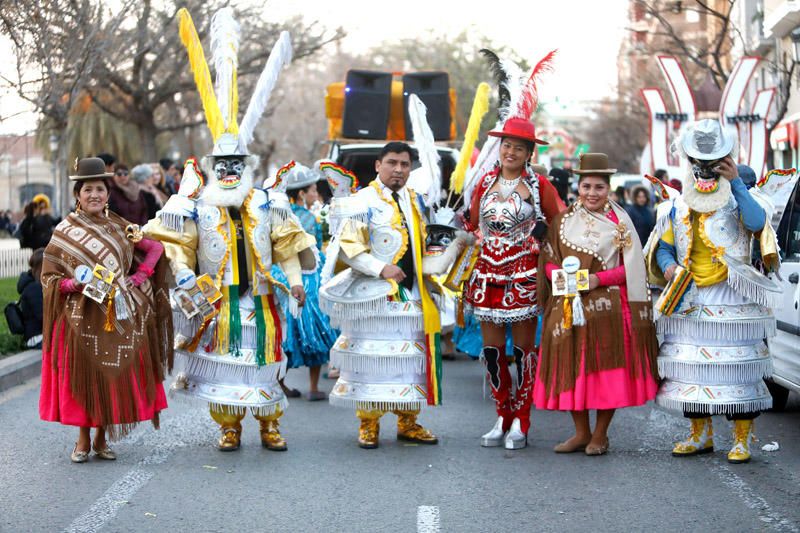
[(433, 88), (367, 101)]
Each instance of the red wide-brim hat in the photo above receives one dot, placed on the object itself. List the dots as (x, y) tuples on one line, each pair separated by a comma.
[(518, 128)]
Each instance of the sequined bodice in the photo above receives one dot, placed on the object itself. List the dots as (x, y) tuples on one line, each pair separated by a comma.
[(501, 216)]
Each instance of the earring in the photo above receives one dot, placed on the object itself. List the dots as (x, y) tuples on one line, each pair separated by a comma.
[(105, 209), (77, 206)]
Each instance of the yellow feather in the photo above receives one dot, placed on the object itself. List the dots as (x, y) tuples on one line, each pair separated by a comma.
[(202, 76), (480, 106)]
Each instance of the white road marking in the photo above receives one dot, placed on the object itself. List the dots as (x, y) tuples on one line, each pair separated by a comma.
[(751, 499), (190, 428), (427, 519)]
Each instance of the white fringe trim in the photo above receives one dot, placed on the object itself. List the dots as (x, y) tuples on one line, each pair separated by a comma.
[(387, 405), (336, 222), (330, 263), (715, 373), (729, 330), (409, 325), (172, 221), (746, 288), (209, 370), (182, 397), (261, 410), (355, 310), (749, 406), (378, 364)]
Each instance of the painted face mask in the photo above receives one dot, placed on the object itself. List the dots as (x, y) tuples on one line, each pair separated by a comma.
[(229, 172), (706, 179)]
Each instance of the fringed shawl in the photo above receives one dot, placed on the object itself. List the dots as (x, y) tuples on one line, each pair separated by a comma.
[(106, 367), (597, 242)]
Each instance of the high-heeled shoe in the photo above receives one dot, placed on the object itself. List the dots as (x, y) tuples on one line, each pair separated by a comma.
[(495, 436)]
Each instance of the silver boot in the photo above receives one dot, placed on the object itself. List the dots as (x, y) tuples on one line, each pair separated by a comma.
[(515, 438), (495, 436)]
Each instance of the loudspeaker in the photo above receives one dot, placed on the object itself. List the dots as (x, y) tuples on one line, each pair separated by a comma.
[(433, 88), (367, 101)]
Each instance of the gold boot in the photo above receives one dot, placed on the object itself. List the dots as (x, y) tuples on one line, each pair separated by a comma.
[(700, 440), (229, 419), (271, 438), (369, 429), (230, 439), (408, 429), (742, 433)]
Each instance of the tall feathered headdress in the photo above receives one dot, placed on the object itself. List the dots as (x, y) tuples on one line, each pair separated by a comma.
[(221, 99), (428, 155), (518, 98)]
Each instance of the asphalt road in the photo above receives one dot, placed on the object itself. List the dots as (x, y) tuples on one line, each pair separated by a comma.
[(175, 480)]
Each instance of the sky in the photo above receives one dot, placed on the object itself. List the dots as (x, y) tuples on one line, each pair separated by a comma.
[(587, 34)]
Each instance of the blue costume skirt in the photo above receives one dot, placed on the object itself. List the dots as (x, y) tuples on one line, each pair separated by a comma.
[(308, 339), (468, 339)]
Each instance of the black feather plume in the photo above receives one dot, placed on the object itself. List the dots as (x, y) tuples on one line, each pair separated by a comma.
[(500, 77)]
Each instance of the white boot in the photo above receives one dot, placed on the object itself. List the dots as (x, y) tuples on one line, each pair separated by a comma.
[(515, 438), (495, 436)]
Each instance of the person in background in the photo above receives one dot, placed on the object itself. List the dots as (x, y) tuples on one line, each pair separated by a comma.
[(168, 168), (29, 287), (158, 184), (662, 174), (5, 224), (309, 337), (560, 180), (143, 175), (108, 160), (125, 197), (642, 215), (37, 227), (620, 196)]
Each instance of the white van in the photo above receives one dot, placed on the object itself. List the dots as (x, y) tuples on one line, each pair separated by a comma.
[(785, 346)]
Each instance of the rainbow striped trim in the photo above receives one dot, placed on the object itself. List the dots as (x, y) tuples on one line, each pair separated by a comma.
[(330, 165), (283, 170), (673, 294), (777, 171)]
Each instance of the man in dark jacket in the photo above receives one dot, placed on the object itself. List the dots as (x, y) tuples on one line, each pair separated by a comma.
[(125, 197)]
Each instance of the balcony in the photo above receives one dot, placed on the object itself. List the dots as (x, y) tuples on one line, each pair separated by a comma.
[(781, 19)]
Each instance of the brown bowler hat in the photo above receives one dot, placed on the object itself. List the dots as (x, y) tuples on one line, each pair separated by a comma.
[(90, 168), (595, 163)]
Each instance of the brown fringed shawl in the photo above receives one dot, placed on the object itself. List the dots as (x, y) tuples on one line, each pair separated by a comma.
[(106, 367), (598, 243)]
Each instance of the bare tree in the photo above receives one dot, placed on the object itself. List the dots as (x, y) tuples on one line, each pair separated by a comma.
[(712, 55)]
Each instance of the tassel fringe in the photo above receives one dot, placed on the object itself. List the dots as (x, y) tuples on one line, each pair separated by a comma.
[(730, 330), (213, 369), (352, 403), (716, 373), (749, 406), (746, 288), (377, 364)]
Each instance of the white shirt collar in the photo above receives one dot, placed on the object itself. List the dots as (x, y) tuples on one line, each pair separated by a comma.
[(387, 192)]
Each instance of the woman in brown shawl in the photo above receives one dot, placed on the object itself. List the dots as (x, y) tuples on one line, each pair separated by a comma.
[(102, 363), (599, 348)]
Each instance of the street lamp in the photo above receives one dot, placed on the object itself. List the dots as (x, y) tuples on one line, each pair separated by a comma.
[(795, 35), (53, 145)]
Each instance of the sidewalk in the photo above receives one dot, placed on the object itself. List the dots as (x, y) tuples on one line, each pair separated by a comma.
[(16, 369)]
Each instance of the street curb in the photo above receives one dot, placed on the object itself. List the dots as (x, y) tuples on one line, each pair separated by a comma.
[(16, 369)]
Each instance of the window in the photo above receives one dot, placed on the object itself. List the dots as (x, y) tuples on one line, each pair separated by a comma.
[(789, 229)]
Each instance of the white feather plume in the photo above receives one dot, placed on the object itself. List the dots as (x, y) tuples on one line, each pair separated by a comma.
[(279, 57), (514, 82), (428, 155), (225, 32)]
